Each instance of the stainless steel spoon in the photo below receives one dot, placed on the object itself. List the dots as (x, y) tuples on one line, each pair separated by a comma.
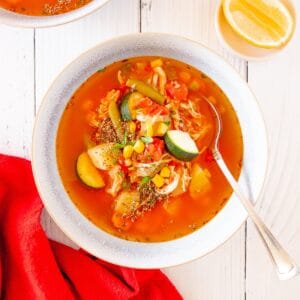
[(284, 264)]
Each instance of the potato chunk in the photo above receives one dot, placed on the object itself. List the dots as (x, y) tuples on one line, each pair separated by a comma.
[(200, 182), (104, 156), (127, 203)]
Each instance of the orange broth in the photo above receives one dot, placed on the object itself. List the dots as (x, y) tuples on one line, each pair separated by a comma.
[(184, 214), (42, 7)]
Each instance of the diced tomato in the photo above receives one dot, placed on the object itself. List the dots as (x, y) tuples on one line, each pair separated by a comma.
[(176, 90), (141, 71), (159, 146), (208, 156), (151, 108), (148, 68), (123, 89), (156, 109), (174, 163), (144, 103), (151, 148), (155, 149), (121, 162), (138, 126), (158, 143), (150, 151), (157, 155)]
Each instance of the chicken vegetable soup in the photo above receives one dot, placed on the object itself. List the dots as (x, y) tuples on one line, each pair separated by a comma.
[(42, 7), (133, 149)]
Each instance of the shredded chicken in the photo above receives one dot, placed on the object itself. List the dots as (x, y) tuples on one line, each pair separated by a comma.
[(186, 117), (116, 177), (162, 79), (154, 80), (176, 117), (120, 78), (186, 178), (150, 169), (171, 186), (158, 79)]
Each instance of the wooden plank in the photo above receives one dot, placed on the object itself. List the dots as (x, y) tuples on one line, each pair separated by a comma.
[(17, 90), (276, 84), (56, 47), (220, 275)]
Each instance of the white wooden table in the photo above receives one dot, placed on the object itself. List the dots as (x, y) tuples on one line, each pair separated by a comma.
[(30, 59)]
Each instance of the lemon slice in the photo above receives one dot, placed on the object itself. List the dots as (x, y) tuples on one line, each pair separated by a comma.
[(263, 23)]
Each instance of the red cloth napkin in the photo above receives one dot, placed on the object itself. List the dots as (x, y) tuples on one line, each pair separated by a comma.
[(33, 267)]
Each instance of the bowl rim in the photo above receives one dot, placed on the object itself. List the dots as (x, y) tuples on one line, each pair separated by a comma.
[(20, 20), (156, 264)]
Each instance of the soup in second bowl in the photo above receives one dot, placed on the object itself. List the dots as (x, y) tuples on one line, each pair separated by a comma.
[(133, 149), (42, 7)]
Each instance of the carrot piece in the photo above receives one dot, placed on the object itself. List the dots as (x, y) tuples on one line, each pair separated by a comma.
[(120, 222)]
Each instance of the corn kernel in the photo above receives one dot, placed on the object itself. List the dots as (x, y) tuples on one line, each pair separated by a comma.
[(127, 151), (131, 127), (156, 63), (158, 181), (149, 129), (165, 172), (161, 129), (128, 162), (141, 65), (194, 85), (139, 146), (185, 76)]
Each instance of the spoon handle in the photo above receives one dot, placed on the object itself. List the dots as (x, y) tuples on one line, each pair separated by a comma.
[(284, 264)]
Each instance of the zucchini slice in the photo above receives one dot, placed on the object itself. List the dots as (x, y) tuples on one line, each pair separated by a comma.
[(146, 90), (88, 173), (114, 114), (181, 145), (127, 106)]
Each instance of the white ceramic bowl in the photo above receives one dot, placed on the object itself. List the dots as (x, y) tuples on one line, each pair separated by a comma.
[(80, 229), (20, 20)]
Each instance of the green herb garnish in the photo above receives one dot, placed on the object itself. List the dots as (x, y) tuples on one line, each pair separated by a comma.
[(123, 143), (101, 70), (118, 146), (145, 180), (147, 139)]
